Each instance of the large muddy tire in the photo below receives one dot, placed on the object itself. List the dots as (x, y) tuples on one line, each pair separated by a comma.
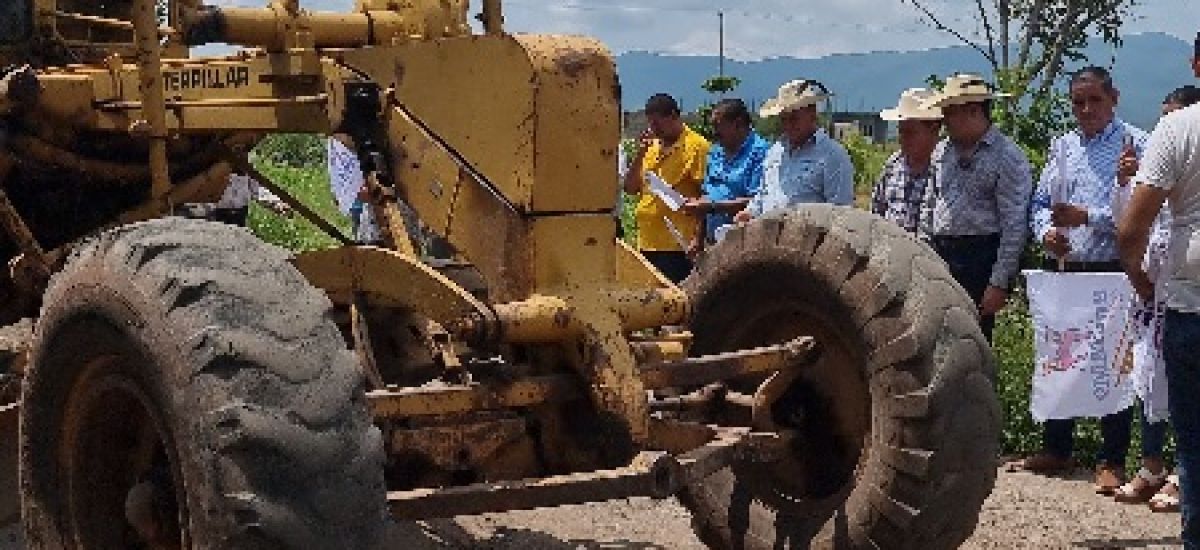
[(188, 386), (897, 422)]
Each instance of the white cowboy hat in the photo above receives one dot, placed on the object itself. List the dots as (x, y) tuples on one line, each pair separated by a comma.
[(912, 107), (961, 89), (795, 94)]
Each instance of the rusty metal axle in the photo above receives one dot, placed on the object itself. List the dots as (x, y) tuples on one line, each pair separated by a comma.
[(695, 371), (653, 474), (698, 371)]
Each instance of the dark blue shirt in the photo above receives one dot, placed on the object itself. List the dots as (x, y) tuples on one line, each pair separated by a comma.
[(730, 178)]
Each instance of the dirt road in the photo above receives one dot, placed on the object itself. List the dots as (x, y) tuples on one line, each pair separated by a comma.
[(1024, 512)]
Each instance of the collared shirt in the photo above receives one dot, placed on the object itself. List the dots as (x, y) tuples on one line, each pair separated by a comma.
[(900, 192), (1083, 171), (1172, 163), (682, 167), (733, 177), (985, 193), (817, 171)]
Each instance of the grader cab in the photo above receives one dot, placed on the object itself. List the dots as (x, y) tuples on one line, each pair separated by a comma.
[(819, 381)]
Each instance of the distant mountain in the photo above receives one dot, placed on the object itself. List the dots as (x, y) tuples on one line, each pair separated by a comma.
[(1147, 67)]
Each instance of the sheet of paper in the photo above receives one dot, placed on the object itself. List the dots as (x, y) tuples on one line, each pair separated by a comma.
[(345, 175), (683, 245), (673, 199), (1060, 189)]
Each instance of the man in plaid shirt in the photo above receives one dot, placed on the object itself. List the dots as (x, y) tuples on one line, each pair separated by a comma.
[(900, 191)]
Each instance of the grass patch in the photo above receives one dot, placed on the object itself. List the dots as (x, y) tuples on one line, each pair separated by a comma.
[(310, 185)]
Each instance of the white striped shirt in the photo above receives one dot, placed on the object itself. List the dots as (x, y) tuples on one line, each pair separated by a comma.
[(1083, 171)]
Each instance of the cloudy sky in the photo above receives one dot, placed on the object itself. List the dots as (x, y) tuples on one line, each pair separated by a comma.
[(755, 29)]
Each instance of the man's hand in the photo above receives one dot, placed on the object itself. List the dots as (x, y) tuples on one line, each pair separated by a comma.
[(696, 207), (993, 301), (741, 218), (1068, 215), (695, 248), (1056, 243), (1141, 284), (1127, 164), (645, 140)]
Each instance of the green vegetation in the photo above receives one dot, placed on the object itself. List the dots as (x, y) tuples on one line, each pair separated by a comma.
[(289, 160), (868, 159)]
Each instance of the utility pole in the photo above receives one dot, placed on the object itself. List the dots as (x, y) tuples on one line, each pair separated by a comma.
[(721, 41)]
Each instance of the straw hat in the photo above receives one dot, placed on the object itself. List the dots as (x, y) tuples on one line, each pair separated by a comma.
[(795, 94), (912, 107), (961, 89)]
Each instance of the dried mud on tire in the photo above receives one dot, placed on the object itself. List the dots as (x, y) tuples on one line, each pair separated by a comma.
[(243, 372), (910, 349)]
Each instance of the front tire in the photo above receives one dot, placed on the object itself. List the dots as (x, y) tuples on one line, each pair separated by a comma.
[(897, 422), (189, 389)]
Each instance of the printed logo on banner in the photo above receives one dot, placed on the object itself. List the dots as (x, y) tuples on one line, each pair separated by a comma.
[(1067, 354)]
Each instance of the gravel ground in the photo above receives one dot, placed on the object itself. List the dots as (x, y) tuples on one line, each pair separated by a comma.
[(1024, 512)]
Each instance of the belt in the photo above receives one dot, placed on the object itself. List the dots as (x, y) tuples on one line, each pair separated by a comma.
[(962, 241), (1111, 266)]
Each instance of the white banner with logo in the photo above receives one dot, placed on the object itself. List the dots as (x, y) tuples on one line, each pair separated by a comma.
[(1083, 342)]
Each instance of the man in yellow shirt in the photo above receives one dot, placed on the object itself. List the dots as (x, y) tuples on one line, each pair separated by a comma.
[(676, 154)]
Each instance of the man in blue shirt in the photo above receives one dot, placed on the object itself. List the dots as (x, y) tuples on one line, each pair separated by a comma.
[(805, 165), (734, 170), (1072, 217)]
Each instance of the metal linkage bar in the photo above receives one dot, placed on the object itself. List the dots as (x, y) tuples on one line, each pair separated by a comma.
[(105, 21), (652, 474), (698, 371), (432, 401)]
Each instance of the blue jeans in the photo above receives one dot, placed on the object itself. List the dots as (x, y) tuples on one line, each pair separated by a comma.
[(1180, 340)]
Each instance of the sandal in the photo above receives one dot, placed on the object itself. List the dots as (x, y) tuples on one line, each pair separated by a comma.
[(1167, 498), (1141, 488), (1108, 479)]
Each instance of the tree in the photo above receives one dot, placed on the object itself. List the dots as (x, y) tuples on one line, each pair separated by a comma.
[(721, 85), (1043, 35), (1027, 44), (718, 86)]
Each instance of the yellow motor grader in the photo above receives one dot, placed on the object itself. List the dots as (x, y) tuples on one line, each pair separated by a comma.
[(818, 381)]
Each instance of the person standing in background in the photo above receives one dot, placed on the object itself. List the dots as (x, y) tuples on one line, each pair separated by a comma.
[(675, 154), (900, 191), (976, 214)]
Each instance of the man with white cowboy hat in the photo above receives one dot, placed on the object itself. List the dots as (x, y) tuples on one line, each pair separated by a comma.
[(805, 165), (900, 191), (976, 213)]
